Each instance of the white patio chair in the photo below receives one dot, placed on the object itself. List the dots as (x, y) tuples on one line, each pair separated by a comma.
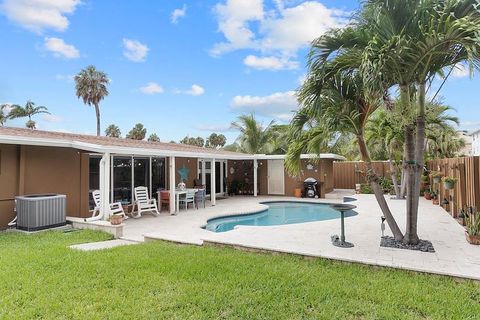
[(144, 203), (189, 198), (113, 208)]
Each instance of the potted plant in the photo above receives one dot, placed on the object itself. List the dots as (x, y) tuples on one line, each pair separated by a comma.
[(436, 176), (116, 219), (427, 194), (472, 226), (449, 182), (424, 181), (461, 218), (434, 197)]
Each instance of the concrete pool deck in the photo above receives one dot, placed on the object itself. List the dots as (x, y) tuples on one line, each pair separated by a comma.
[(453, 256)]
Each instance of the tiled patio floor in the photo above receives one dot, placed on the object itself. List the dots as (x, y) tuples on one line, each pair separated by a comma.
[(453, 256)]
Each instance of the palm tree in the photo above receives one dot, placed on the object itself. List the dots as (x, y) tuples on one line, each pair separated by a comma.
[(138, 132), (416, 40), (253, 138), (91, 86), (335, 104), (28, 111), (113, 131), (153, 137)]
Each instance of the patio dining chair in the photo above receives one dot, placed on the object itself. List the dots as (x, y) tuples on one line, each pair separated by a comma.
[(113, 208), (189, 198), (200, 196), (164, 199), (144, 202)]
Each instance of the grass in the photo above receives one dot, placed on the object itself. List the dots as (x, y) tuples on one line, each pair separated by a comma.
[(42, 278)]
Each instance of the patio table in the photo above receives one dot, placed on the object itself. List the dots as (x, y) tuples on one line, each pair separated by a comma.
[(179, 193)]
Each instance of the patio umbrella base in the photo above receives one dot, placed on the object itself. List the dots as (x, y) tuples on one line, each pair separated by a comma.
[(337, 242)]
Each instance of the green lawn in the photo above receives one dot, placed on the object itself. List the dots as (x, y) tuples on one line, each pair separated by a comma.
[(40, 277)]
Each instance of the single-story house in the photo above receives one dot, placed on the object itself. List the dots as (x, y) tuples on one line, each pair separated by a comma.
[(35, 161)]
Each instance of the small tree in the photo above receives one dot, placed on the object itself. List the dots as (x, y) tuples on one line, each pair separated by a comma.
[(113, 131), (154, 138), (198, 141), (138, 132), (28, 111), (215, 141)]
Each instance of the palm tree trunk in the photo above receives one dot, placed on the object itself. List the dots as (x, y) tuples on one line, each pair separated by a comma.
[(373, 179), (393, 174), (97, 112), (409, 168), (411, 235)]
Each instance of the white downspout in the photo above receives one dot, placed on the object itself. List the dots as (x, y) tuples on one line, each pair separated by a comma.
[(213, 189), (171, 166), (255, 177)]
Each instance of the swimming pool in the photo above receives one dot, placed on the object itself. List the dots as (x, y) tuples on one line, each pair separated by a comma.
[(278, 213)]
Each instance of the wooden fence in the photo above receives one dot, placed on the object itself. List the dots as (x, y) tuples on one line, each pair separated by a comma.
[(348, 173), (466, 192), (466, 169)]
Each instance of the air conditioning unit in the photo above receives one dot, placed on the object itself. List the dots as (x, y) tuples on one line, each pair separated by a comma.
[(41, 211)]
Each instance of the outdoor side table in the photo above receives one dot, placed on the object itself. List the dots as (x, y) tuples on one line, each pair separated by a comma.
[(342, 207)]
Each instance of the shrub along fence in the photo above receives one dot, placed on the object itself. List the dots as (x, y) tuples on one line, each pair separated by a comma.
[(466, 192), (348, 173)]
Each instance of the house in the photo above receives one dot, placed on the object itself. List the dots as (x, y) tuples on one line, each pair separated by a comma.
[(34, 161), (467, 149), (475, 143)]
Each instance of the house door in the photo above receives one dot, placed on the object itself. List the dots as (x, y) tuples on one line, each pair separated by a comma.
[(276, 177)]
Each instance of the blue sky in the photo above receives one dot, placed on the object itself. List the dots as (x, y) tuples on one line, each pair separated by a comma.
[(179, 67)]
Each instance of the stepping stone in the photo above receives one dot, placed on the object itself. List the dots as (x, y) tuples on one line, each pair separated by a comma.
[(102, 245)]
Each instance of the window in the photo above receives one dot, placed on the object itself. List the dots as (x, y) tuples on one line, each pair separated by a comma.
[(158, 174), (93, 178), (122, 179), (141, 173)]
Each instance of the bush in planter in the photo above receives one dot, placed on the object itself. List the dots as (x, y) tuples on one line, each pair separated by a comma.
[(472, 226), (386, 184), (449, 182)]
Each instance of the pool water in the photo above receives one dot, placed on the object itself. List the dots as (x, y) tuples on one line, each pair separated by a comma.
[(278, 213)]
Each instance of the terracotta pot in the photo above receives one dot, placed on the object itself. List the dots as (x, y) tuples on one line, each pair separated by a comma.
[(435, 201), (298, 192), (472, 239), (116, 220), (427, 195), (461, 221)]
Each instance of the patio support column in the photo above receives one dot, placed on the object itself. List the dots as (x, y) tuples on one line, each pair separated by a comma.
[(221, 177), (171, 175), (104, 186), (204, 176), (213, 188), (255, 177)]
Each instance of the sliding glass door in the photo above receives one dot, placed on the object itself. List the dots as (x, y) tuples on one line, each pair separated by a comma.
[(220, 173)]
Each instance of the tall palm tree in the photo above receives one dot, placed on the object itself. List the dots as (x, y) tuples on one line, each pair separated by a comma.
[(28, 111), (91, 86), (253, 138), (416, 40)]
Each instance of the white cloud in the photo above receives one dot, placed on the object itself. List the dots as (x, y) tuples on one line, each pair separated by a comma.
[(151, 88), (195, 90), (134, 50), (60, 49), (461, 71), (64, 77), (39, 15), (269, 63), (51, 118), (279, 105), (178, 13), (213, 127), (277, 33)]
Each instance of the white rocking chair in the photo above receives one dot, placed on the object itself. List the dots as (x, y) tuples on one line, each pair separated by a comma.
[(144, 203), (113, 208)]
